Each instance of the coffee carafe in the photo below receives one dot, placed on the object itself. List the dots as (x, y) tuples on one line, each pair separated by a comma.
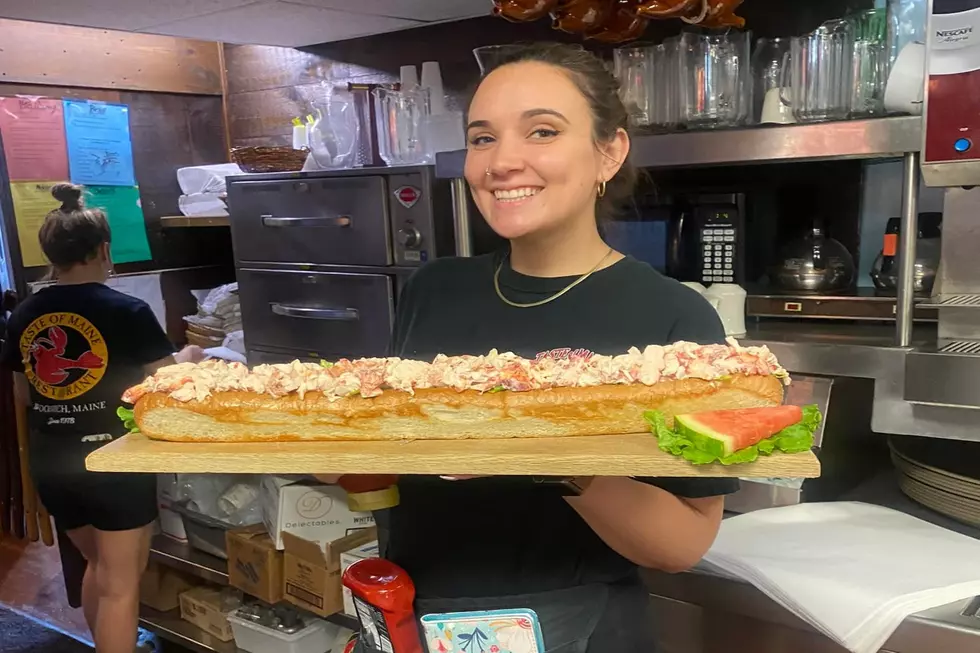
[(884, 271), (814, 263)]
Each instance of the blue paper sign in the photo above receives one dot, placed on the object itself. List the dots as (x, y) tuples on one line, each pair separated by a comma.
[(100, 152)]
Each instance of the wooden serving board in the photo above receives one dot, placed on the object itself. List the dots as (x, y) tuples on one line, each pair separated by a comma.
[(601, 455)]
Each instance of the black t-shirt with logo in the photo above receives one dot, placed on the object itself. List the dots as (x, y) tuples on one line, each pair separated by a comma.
[(80, 346), (505, 536)]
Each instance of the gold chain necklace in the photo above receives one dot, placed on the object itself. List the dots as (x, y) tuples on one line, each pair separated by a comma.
[(496, 284)]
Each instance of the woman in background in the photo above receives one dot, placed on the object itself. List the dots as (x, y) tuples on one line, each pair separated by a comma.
[(74, 347)]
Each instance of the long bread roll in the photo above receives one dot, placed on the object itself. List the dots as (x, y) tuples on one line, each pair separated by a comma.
[(492, 396)]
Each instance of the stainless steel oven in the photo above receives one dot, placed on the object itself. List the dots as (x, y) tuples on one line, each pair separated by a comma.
[(321, 257)]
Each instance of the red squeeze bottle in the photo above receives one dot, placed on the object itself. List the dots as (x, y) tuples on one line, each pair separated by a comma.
[(383, 596), (367, 492)]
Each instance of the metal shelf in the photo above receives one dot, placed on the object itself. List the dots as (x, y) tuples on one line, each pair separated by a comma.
[(961, 347), (194, 221), (879, 138), (170, 627), (187, 559), (955, 301)]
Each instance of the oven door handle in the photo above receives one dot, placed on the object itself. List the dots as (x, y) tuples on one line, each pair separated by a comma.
[(338, 221), (310, 313)]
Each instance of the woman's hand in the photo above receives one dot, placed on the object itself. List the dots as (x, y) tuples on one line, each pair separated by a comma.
[(190, 354)]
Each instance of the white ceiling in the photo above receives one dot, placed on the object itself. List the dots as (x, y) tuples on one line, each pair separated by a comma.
[(291, 23)]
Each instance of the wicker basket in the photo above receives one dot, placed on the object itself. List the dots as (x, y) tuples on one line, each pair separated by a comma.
[(204, 342), (269, 159)]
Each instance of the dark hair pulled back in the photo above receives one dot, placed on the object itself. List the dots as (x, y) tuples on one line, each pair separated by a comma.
[(72, 234), (600, 88)]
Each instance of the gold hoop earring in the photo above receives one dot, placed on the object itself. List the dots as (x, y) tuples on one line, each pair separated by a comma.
[(602, 189)]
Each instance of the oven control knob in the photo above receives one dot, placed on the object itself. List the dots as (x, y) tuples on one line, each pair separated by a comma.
[(409, 237)]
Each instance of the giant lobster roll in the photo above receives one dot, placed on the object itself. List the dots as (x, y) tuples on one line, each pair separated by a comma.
[(498, 395)]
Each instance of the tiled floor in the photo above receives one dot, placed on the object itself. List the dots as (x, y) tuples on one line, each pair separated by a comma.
[(31, 585)]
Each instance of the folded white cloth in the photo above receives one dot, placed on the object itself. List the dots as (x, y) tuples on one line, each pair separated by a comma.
[(202, 204), (206, 179), (853, 571)]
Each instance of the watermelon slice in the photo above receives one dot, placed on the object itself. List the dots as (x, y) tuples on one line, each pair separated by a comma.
[(728, 431), (736, 436)]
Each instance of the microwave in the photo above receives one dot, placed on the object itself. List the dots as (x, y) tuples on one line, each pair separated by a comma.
[(697, 237)]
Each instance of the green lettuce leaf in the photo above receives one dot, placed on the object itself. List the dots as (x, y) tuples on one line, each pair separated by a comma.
[(324, 363), (128, 419), (792, 439), (498, 388)]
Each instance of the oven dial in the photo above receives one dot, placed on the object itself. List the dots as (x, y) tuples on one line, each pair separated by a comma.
[(409, 237)]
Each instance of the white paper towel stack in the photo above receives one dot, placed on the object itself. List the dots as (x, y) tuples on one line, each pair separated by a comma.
[(204, 188), (853, 571)]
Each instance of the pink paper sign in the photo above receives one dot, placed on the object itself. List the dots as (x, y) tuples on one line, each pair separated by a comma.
[(33, 131)]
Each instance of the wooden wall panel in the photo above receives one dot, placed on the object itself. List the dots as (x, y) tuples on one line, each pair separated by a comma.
[(59, 55), (259, 67)]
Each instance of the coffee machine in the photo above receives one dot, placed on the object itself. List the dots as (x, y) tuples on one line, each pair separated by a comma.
[(948, 373)]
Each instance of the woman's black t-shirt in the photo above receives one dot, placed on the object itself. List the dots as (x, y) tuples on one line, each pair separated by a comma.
[(505, 536), (80, 347)]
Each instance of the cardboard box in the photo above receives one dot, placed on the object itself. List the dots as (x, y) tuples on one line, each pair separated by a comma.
[(312, 571), (314, 512), (208, 609), (347, 558), (254, 564), (161, 587)]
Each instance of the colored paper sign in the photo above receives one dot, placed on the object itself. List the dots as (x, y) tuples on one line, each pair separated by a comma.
[(125, 213), (33, 132), (100, 152), (32, 202)]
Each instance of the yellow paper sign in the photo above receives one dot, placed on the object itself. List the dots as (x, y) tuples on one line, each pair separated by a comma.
[(32, 201)]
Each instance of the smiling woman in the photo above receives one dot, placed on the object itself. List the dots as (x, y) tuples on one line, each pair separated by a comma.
[(545, 160), (548, 155)]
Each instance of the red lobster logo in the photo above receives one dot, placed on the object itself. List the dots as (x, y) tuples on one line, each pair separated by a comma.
[(51, 366)]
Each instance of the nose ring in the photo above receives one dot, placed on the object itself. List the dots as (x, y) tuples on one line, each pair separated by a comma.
[(487, 173)]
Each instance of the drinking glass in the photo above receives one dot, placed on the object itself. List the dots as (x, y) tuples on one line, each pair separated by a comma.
[(820, 65), (714, 79), (767, 69), (666, 84), (870, 63), (401, 117), (633, 68), (906, 24)]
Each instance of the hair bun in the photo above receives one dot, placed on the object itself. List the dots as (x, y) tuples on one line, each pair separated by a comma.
[(69, 195)]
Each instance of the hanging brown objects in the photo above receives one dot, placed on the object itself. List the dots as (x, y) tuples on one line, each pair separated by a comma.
[(520, 11), (619, 21), (622, 25), (661, 9), (581, 16), (721, 13)]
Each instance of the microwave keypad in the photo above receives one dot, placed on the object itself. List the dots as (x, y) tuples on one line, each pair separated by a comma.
[(718, 254)]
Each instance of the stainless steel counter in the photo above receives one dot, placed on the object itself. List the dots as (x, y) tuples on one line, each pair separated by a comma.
[(698, 612), (867, 351), (702, 613)]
